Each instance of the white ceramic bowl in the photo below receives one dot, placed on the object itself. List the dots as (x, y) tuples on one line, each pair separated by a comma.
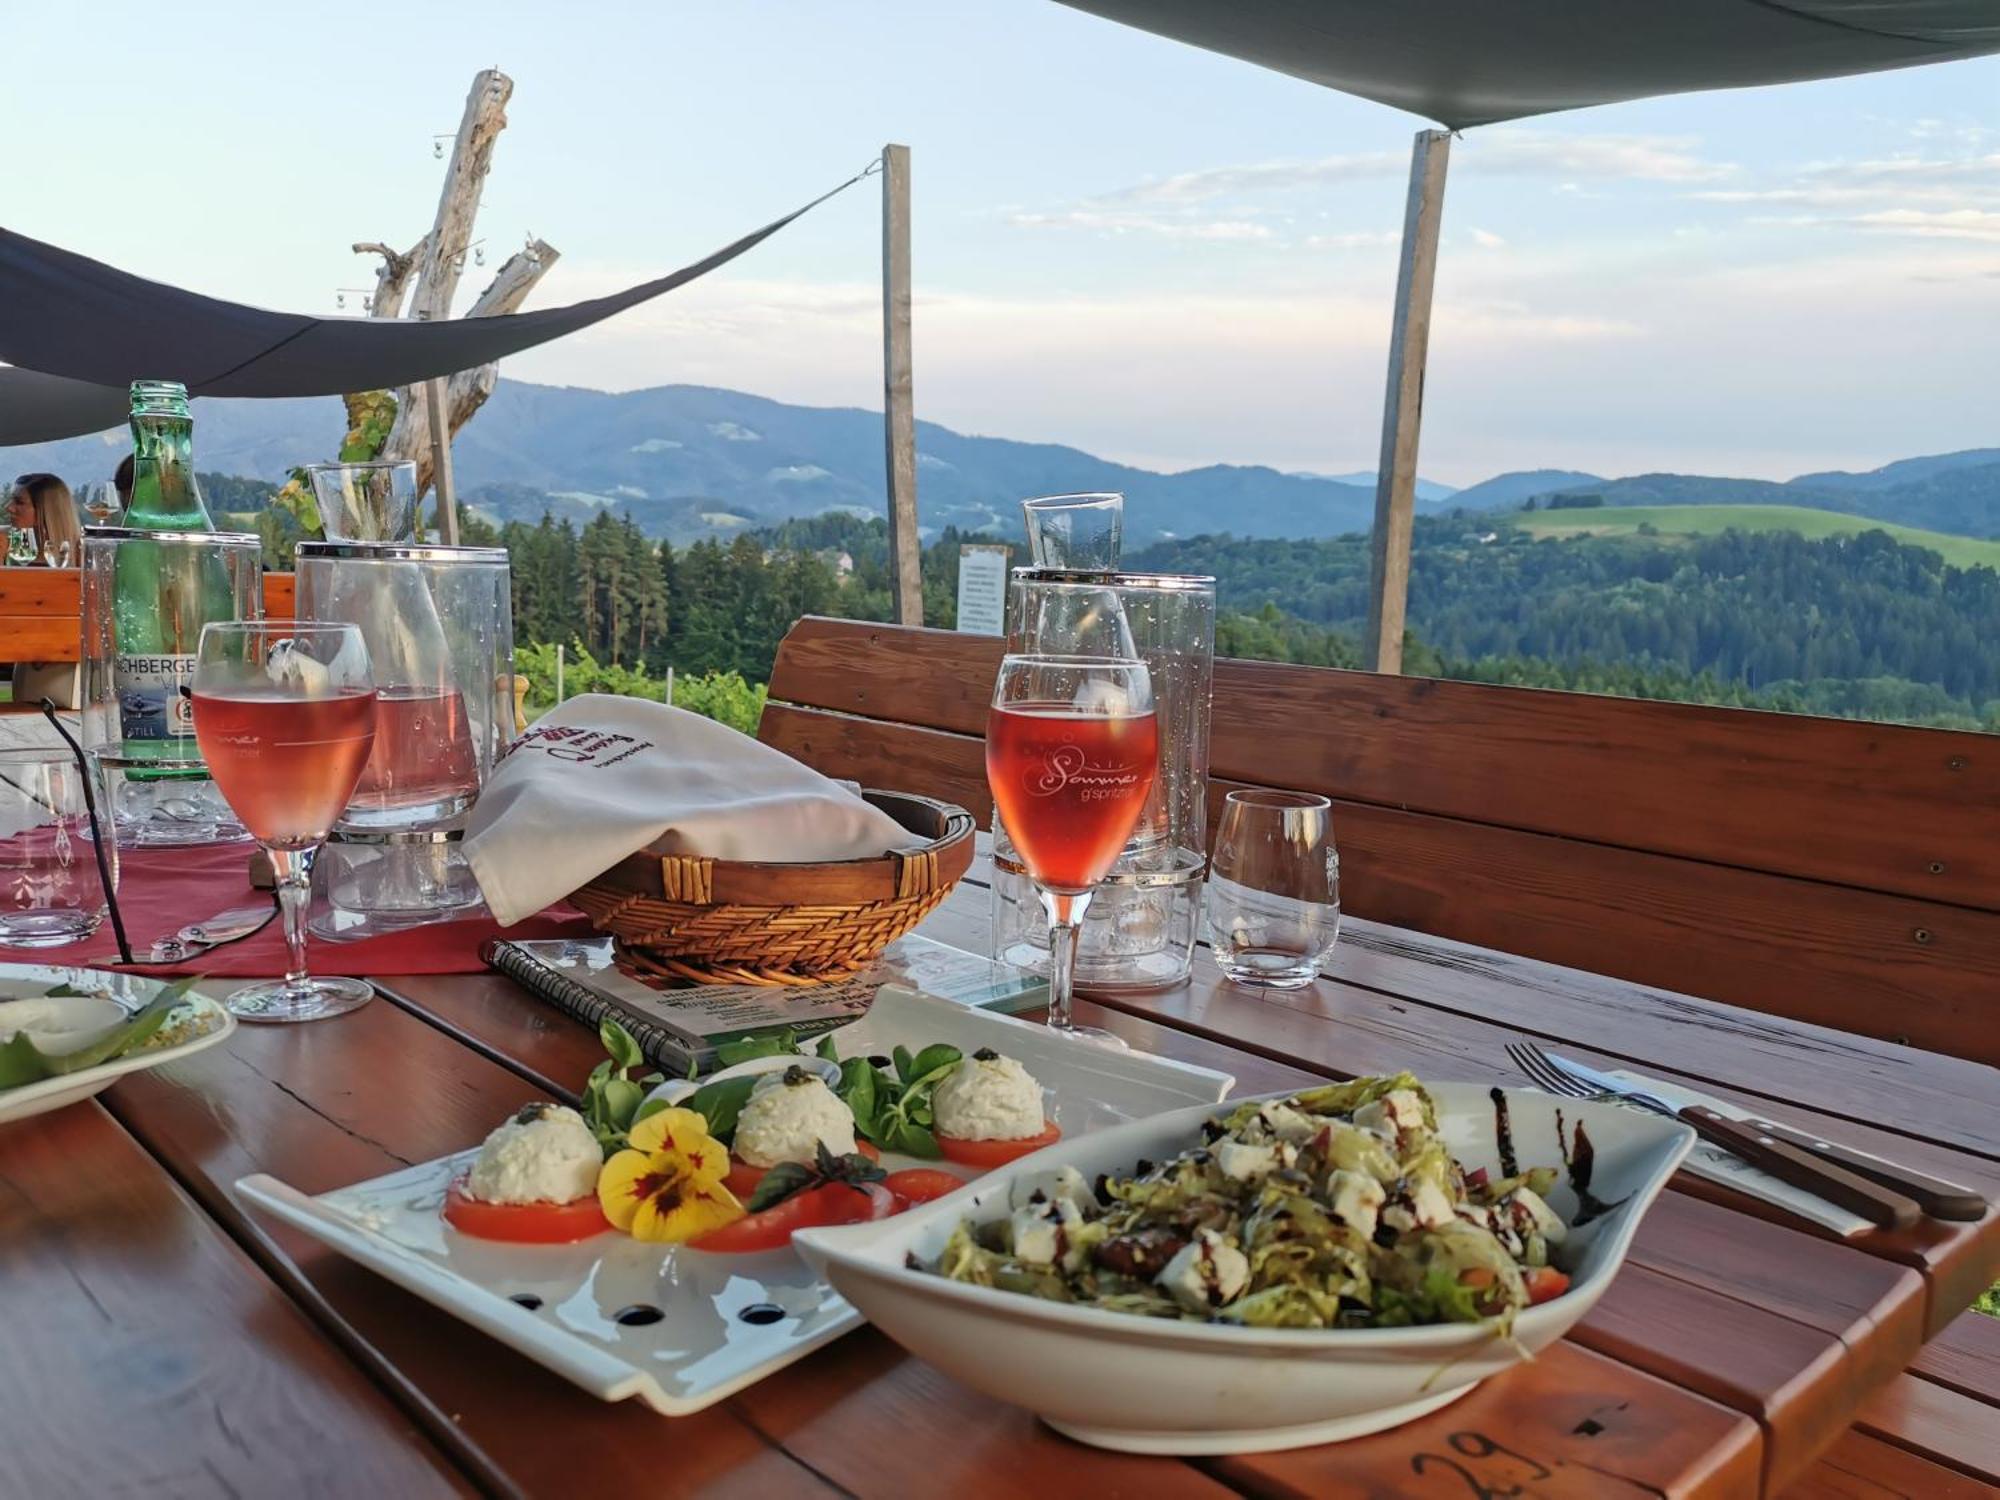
[(1151, 1386)]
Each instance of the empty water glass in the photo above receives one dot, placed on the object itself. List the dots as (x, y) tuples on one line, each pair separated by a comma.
[(1274, 888), (374, 501), (50, 889), (1077, 532)]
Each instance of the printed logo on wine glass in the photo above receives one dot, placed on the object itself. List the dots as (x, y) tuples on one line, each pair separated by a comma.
[(1068, 769)]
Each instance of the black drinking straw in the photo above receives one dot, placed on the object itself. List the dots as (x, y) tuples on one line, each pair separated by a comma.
[(96, 832)]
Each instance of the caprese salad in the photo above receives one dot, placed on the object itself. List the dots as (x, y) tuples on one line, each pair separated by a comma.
[(740, 1163)]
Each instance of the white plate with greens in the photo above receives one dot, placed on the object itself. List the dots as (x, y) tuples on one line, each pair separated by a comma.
[(66, 1033), (672, 1325)]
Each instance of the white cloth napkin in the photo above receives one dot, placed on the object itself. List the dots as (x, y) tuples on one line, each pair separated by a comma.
[(601, 777)]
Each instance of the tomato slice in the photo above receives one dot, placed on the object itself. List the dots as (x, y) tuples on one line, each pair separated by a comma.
[(523, 1223), (1545, 1283), (986, 1155), (921, 1184), (743, 1178), (830, 1203)]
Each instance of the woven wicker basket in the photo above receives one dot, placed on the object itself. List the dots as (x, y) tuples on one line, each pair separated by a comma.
[(722, 922)]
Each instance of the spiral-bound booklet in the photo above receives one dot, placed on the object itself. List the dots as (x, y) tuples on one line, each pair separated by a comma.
[(680, 1028)]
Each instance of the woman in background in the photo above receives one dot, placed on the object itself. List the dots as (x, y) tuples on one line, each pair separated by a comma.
[(42, 503)]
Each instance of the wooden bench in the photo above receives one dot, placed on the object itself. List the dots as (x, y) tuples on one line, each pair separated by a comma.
[(1826, 870), (41, 611)]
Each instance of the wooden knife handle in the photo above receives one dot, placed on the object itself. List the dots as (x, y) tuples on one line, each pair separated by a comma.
[(1788, 1163), (1938, 1198)]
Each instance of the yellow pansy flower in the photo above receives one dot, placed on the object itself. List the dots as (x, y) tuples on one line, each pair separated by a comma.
[(667, 1185)]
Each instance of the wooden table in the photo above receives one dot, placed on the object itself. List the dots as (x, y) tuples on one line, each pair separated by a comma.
[(163, 1342)]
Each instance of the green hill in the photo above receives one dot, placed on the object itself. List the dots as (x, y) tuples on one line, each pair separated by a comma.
[(1710, 520)]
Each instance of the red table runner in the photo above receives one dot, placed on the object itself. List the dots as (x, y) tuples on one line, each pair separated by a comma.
[(160, 891)]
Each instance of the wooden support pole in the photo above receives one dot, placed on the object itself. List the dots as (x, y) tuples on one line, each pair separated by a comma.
[(1402, 409), (447, 494), (898, 410)]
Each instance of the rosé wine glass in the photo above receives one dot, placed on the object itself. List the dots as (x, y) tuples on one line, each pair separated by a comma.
[(284, 712), (1072, 748)]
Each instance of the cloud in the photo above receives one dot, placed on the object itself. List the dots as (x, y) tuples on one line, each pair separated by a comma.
[(1545, 153), (1486, 239), (1361, 239), (1949, 224), (1905, 181), (1130, 222)]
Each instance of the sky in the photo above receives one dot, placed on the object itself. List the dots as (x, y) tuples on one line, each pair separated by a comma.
[(1122, 243)]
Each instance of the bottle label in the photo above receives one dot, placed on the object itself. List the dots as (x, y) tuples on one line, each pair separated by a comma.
[(153, 698)]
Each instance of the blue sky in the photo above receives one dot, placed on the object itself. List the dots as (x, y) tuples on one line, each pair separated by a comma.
[(1122, 243)]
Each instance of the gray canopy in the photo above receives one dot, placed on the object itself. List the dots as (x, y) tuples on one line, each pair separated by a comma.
[(1472, 62), (79, 332)]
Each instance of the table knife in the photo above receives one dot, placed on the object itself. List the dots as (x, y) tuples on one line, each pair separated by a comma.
[(1804, 1169), (1938, 1198)]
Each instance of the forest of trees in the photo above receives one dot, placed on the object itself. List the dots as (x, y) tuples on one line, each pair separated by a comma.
[(1862, 626)]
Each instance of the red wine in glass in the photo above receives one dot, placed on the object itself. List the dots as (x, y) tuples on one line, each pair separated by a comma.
[(1072, 751), (423, 755), (284, 711), (286, 765), (1069, 786)]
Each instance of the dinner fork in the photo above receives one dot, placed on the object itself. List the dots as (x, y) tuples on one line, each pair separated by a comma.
[(1787, 1163)]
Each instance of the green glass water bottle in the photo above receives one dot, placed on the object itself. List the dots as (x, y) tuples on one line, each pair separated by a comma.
[(163, 595)]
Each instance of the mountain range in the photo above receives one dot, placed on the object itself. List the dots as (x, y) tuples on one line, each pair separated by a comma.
[(693, 461)]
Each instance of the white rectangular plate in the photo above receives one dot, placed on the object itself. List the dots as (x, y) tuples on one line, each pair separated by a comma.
[(689, 1342)]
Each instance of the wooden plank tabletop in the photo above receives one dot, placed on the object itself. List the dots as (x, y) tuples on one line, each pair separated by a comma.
[(1739, 1354)]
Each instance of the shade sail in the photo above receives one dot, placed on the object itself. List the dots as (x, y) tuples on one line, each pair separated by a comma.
[(80, 332), (1472, 62)]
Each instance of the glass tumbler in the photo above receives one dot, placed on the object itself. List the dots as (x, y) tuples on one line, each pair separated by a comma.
[(1274, 889), (1077, 532), (51, 891), (374, 501)]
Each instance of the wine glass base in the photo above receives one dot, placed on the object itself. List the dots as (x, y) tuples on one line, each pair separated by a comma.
[(1094, 1036), (311, 999)]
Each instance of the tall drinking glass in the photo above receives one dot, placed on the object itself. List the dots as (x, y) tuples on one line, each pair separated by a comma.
[(285, 713), (1072, 747)]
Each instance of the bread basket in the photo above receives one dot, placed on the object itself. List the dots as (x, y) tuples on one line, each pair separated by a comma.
[(715, 921)]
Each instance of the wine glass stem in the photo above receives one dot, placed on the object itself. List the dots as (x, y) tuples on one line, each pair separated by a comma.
[(1065, 910), (294, 867)]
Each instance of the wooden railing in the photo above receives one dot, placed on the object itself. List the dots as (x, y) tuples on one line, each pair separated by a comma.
[(1827, 870), (41, 611)]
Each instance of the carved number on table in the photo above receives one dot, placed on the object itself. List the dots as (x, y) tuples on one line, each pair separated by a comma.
[(1476, 1445)]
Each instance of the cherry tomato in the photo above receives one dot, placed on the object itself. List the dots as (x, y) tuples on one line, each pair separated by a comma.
[(743, 1178), (830, 1203), (523, 1223), (986, 1155), (921, 1184), (1545, 1283)]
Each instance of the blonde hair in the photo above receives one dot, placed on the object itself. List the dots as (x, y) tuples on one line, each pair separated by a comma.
[(56, 525)]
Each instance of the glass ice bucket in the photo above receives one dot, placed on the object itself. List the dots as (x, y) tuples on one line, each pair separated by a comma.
[(146, 596), (1140, 929), (439, 626)]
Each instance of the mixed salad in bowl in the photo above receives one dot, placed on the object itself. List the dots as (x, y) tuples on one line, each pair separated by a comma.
[(1339, 1207)]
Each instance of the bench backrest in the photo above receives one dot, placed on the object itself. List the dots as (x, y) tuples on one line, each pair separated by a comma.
[(41, 611), (1826, 870)]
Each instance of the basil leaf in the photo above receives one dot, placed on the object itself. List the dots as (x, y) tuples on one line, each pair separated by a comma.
[(765, 1045), (859, 1091), (620, 1044), (780, 1183), (622, 1098), (720, 1103), (913, 1139), (936, 1058)]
